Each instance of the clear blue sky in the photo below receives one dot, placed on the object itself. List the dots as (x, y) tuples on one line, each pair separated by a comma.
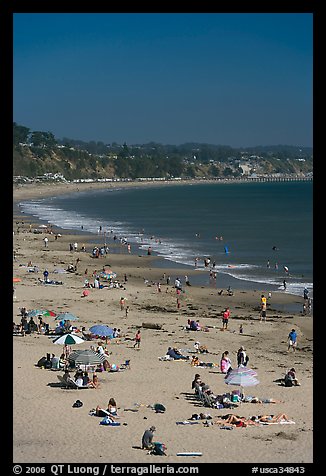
[(238, 79)]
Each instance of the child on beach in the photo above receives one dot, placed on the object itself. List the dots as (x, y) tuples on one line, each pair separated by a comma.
[(225, 319), (137, 339)]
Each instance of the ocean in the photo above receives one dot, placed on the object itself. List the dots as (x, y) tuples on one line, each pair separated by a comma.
[(256, 234)]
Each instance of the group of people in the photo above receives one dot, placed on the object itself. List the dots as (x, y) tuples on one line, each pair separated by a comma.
[(226, 364), (81, 379)]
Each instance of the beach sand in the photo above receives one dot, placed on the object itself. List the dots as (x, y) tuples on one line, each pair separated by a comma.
[(47, 428)]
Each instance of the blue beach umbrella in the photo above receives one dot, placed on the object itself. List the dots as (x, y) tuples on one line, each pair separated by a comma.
[(101, 330)]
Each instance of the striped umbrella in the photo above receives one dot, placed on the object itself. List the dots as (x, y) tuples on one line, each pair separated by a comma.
[(68, 339), (242, 377), (41, 312)]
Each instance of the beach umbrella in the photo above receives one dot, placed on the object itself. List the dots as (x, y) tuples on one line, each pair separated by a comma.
[(68, 339), (242, 377), (40, 312), (101, 330), (86, 357), (34, 313), (16, 280), (108, 274), (66, 316)]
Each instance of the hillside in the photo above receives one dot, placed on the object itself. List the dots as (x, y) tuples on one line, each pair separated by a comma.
[(37, 153)]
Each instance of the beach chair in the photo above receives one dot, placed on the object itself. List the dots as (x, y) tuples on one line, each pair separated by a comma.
[(70, 383), (125, 365)]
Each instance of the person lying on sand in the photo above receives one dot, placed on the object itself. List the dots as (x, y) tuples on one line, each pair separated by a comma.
[(270, 418), (250, 399), (254, 420), (236, 420)]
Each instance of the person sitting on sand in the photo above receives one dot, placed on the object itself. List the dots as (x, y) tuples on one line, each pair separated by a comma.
[(147, 438), (112, 407), (94, 383), (196, 381), (176, 354), (290, 379), (195, 361), (101, 412), (66, 376)]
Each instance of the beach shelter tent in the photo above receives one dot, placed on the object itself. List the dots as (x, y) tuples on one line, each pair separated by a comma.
[(86, 357)]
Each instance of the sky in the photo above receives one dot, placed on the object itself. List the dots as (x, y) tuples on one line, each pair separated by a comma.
[(237, 79)]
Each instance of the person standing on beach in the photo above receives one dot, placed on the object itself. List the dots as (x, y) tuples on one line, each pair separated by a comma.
[(122, 303), (137, 339), (46, 240), (263, 312), (292, 340), (225, 318), (263, 307)]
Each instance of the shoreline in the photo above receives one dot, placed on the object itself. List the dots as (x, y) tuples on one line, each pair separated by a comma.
[(284, 303), (41, 190)]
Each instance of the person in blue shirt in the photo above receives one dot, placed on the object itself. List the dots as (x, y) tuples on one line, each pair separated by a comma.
[(292, 340)]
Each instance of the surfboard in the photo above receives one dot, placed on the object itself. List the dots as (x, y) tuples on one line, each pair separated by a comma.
[(189, 453)]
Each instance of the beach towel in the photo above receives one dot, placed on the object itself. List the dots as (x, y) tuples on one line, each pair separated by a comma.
[(279, 423), (186, 422), (107, 421)]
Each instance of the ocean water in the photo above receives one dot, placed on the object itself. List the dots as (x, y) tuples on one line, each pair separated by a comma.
[(250, 231)]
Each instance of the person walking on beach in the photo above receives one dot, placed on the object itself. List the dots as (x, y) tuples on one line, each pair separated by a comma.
[(122, 303), (292, 340), (46, 240), (137, 339), (225, 319)]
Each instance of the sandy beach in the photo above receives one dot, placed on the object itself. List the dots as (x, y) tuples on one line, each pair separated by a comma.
[(52, 430)]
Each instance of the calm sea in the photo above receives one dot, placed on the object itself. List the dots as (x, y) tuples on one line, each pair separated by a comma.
[(251, 231)]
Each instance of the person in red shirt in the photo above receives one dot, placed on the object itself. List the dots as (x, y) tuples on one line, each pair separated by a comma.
[(225, 318)]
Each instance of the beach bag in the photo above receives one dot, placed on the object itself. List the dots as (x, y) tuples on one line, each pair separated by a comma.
[(159, 408)]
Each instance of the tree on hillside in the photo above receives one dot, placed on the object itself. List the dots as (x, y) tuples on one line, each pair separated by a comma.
[(20, 133), (43, 139)]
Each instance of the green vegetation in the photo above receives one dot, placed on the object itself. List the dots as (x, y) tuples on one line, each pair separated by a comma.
[(36, 153)]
